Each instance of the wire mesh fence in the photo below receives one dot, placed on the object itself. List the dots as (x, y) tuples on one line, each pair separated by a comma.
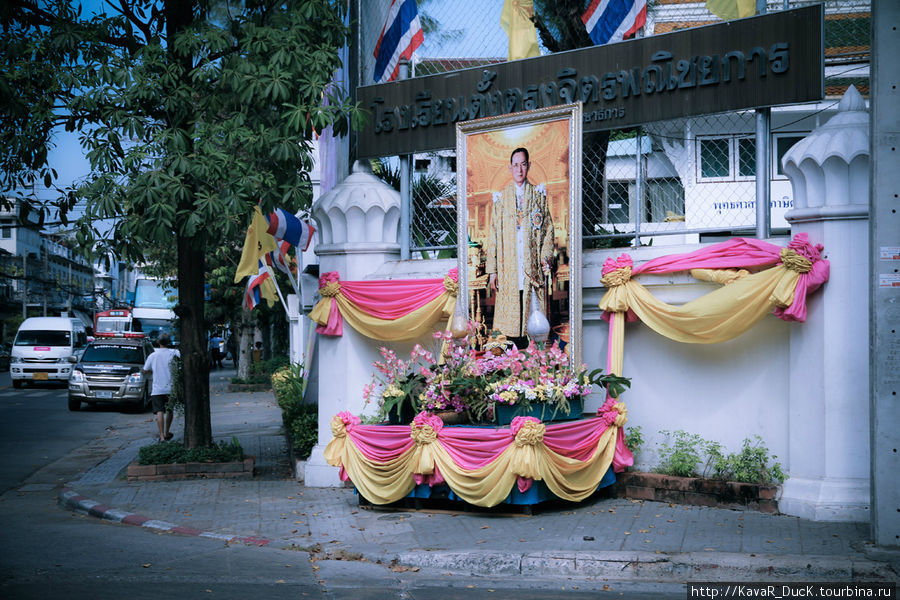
[(671, 180)]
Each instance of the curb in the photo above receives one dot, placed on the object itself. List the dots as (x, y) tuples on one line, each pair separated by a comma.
[(72, 500), (635, 566), (643, 566)]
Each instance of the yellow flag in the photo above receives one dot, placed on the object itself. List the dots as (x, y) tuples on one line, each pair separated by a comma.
[(268, 292), (731, 9), (256, 245), (515, 19)]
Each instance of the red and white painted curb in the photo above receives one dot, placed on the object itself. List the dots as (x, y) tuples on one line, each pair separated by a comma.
[(73, 501)]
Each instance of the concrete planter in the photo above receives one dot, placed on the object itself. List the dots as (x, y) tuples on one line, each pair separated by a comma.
[(173, 471), (696, 491)]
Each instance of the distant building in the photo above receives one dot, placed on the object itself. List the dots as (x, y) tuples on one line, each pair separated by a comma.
[(40, 274)]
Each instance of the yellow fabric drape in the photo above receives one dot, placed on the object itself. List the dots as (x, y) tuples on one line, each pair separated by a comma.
[(569, 479), (407, 327), (716, 317), (617, 343)]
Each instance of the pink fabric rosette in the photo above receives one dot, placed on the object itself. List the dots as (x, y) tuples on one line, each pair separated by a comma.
[(427, 418), (808, 282), (327, 288)]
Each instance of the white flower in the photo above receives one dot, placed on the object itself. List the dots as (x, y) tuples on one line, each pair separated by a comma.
[(541, 189), (497, 196)]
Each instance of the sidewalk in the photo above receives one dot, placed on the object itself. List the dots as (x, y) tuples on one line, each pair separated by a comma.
[(610, 538)]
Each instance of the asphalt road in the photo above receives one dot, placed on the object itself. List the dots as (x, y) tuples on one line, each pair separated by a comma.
[(49, 552)]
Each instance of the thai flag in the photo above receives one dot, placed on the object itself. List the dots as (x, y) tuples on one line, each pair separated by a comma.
[(400, 36), (253, 293), (610, 21), (285, 226), (279, 258)]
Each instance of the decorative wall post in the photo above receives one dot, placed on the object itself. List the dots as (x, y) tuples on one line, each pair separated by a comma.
[(358, 223), (829, 380)]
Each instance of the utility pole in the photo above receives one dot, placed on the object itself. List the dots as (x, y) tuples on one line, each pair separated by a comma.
[(24, 283)]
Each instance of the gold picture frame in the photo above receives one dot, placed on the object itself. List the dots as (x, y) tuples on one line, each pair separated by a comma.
[(486, 205)]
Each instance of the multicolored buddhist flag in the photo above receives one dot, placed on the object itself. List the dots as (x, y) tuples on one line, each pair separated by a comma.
[(609, 21), (515, 19), (259, 287), (257, 244), (400, 36), (731, 9), (281, 259)]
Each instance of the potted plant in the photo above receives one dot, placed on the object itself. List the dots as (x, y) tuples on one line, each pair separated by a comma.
[(539, 382), (398, 384)]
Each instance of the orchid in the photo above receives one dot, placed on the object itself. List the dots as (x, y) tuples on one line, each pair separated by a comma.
[(462, 380)]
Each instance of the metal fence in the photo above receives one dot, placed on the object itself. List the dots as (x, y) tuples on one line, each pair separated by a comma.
[(680, 179)]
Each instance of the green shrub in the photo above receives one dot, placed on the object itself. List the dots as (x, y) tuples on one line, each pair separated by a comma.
[(174, 452), (750, 465), (300, 420), (305, 430), (634, 440), (265, 368), (683, 456)]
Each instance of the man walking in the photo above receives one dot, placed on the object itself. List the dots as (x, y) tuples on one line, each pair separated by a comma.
[(159, 364)]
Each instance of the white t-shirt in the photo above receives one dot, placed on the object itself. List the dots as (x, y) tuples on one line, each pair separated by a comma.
[(159, 363)]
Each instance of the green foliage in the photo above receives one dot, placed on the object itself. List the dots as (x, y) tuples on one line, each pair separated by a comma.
[(634, 439), (305, 431), (268, 367), (300, 420), (750, 465), (682, 457), (687, 451), (612, 383), (164, 453), (189, 113), (180, 130)]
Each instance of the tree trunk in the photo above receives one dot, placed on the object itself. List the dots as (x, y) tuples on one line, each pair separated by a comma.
[(194, 355), (246, 344)]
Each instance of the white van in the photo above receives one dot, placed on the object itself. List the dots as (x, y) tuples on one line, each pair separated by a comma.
[(42, 349)]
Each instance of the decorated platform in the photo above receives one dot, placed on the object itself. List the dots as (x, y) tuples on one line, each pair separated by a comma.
[(481, 465)]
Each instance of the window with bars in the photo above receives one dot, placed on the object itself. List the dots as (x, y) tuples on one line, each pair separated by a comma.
[(726, 158), (783, 143)]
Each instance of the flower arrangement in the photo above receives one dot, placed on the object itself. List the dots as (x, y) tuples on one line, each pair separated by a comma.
[(465, 381), (536, 375)]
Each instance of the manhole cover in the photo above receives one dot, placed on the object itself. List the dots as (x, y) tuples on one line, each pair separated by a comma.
[(397, 517)]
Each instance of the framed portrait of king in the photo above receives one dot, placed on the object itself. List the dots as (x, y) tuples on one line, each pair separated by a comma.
[(519, 225)]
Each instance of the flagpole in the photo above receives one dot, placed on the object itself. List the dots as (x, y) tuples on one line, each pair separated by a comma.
[(277, 289), (287, 264)]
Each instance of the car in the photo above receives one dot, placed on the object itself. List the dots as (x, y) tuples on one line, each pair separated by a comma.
[(111, 371)]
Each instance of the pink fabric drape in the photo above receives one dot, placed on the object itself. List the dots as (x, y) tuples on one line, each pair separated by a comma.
[(386, 299), (475, 447), (739, 253), (393, 298), (808, 282), (733, 253)]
